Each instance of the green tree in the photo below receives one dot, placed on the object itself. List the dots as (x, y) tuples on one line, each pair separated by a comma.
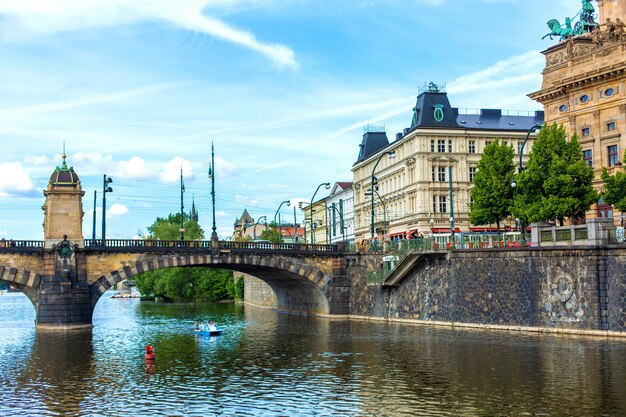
[(492, 193), (188, 283), (169, 228), (615, 188), (557, 183), (272, 233)]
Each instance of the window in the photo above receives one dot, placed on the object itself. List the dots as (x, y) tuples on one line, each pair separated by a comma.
[(441, 145), (588, 157), (472, 173), (442, 174), (472, 146), (432, 146), (613, 158), (584, 99), (519, 147), (449, 146), (586, 131), (487, 143), (442, 204), (434, 174), (609, 92), (434, 204), (563, 108), (610, 126)]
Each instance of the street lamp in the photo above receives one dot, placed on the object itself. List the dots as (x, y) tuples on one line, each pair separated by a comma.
[(212, 177), (280, 231), (391, 154), (327, 186), (255, 225), (295, 225), (105, 189), (451, 204), (384, 211), (520, 168), (182, 214), (343, 230)]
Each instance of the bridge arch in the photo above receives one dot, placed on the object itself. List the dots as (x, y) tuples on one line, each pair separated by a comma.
[(24, 280), (299, 287)]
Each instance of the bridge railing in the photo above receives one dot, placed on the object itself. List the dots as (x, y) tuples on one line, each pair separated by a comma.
[(21, 245), (204, 244)]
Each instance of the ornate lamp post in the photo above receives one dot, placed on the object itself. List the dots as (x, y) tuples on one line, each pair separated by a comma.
[(280, 230), (520, 169), (105, 189), (182, 214), (367, 193), (212, 177), (256, 224), (327, 186), (343, 229), (391, 154)]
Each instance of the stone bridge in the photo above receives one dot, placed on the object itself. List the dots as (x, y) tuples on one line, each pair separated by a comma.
[(66, 281)]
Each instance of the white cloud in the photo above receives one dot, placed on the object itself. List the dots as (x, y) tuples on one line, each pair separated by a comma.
[(117, 210), (135, 167), (15, 180), (33, 18), (4, 233), (224, 168), (171, 170), (37, 161), (514, 70)]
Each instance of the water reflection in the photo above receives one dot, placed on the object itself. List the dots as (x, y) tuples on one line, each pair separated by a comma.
[(282, 365)]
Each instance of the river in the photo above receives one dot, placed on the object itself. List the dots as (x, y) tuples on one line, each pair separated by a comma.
[(272, 364)]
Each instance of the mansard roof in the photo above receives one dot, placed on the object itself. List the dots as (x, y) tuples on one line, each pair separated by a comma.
[(371, 144), (429, 103)]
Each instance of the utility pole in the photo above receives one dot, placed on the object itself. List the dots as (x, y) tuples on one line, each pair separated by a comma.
[(182, 214)]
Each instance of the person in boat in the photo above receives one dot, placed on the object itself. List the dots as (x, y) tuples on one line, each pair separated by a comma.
[(196, 326), (212, 326)]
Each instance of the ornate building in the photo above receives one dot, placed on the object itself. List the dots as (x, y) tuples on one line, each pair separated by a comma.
[(411, 175), (340, 213), (583, 88)]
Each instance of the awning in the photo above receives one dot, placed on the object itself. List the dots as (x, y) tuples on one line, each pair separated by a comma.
[(445, 230)]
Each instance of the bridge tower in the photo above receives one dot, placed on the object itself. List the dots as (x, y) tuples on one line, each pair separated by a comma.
[(63, 209), (64, 296)]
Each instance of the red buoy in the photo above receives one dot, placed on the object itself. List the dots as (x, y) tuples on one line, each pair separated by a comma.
[(149, 353)]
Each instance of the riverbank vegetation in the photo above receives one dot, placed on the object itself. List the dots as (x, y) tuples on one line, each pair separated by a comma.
[(186, 283)]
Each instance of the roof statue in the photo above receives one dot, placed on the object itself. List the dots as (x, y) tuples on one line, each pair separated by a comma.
[(585, 24)]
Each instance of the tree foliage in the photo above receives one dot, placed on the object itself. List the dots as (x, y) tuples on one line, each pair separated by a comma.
[(272, 233), (169, 228), (615, 188), (557, 183), (189, 283), (492, 193)]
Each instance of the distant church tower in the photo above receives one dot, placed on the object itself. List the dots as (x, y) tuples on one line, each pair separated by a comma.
[(63, 209), (194, 213)]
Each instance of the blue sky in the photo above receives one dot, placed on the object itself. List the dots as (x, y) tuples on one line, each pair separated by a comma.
[(138, 89)]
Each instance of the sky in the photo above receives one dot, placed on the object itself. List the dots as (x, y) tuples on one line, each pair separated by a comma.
[(138, 89)]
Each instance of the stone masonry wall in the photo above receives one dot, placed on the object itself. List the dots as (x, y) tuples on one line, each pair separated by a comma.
[(582, 289), (257, 293)]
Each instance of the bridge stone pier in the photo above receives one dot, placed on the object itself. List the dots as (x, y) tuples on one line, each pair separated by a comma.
[(65, 275)]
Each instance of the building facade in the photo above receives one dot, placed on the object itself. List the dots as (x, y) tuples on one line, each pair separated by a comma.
[(427, 167), (340, 213), (584, 89), (316, 222)]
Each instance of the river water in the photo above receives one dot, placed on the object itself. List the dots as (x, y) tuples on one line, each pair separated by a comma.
[(272, 364)]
